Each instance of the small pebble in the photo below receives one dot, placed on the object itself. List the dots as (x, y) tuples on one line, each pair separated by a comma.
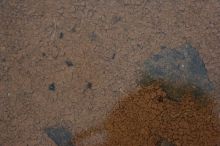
[(43, 54), (52, 87), (69, 63), (113, 56), (89, 85), (61, 35)]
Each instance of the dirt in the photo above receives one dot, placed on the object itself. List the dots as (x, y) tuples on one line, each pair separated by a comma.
[(147, 116), (70, 62)]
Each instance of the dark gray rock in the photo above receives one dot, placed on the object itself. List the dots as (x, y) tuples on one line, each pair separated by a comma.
[(52, 87), (180, 67), (69, 63), (60, 135), (61, 35)]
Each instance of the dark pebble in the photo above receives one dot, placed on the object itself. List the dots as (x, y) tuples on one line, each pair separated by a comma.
[(89, 85), (43, 54), (113, 56), (61, 35), (52, 87), (60, 136), (69, 63)]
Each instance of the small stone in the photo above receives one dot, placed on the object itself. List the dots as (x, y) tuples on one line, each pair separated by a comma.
[(52, 87), (89, 85), (43, 54), (69, 63), (60, 136), (113, 56), (61, 35)]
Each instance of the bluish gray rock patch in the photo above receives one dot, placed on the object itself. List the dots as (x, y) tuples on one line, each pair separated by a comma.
[(179, 67), (60, 136)]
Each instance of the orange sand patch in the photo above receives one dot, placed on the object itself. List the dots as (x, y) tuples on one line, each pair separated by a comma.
[(145, 117)]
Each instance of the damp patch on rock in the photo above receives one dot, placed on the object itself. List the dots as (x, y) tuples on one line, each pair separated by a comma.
[(178, 70), (60, 136)]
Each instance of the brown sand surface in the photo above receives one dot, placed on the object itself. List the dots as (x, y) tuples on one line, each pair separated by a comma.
[(92, 52), (145, 117)]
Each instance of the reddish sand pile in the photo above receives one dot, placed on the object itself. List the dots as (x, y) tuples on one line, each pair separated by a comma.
[(145, 117)]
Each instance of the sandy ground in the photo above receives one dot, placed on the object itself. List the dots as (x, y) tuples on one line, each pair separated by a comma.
[(146, 117), (69, 62)]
